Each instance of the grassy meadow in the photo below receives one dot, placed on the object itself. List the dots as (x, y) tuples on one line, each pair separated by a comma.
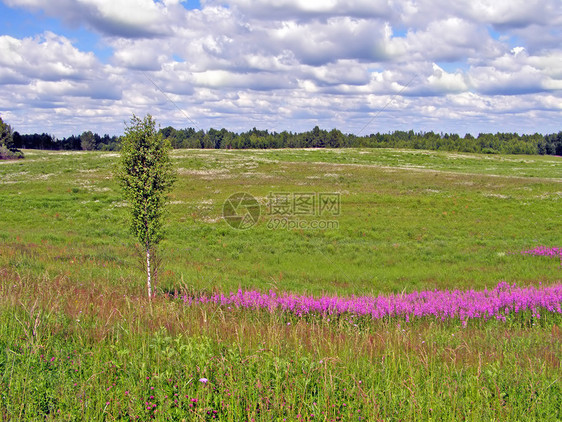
[(80, 341)]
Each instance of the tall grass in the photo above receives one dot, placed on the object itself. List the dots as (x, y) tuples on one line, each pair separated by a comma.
[(77, 352)]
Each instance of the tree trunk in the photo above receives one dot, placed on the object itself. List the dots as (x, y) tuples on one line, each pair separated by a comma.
[(148, 273)]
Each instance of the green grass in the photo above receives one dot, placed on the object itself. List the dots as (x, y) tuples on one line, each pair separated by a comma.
[(72, 289), (398, 229)]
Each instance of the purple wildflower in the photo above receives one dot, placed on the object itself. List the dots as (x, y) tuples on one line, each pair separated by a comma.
[(498, 302)]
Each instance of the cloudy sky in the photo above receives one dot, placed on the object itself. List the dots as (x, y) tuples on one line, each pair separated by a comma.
[(361, 66)]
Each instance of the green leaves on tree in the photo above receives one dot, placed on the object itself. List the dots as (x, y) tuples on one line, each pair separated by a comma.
[(146, 174)]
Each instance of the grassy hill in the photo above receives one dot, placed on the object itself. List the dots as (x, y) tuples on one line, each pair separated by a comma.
[(80, 340)]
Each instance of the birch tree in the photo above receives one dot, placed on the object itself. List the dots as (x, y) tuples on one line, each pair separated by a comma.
[(146, 175)]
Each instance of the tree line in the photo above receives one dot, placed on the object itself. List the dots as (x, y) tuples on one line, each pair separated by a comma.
[(7, 149), (487, 143), (87, 141)]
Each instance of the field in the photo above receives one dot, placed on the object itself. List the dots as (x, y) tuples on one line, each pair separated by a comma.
[(80, 341)]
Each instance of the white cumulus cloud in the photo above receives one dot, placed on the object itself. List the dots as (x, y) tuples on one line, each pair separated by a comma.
[(467, 65)]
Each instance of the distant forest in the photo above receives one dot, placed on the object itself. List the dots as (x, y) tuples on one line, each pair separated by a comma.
[(487, 143)]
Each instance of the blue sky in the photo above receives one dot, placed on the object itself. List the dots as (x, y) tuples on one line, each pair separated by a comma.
[(67, 66), (19, 23)]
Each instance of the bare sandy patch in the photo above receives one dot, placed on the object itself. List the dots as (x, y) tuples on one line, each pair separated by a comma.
[(205, 174), (496, 195)]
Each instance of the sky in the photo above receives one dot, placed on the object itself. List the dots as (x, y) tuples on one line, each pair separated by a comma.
[(361, 66)]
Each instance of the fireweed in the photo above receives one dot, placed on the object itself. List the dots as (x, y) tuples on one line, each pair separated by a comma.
[(498, 303), (544, 251)]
